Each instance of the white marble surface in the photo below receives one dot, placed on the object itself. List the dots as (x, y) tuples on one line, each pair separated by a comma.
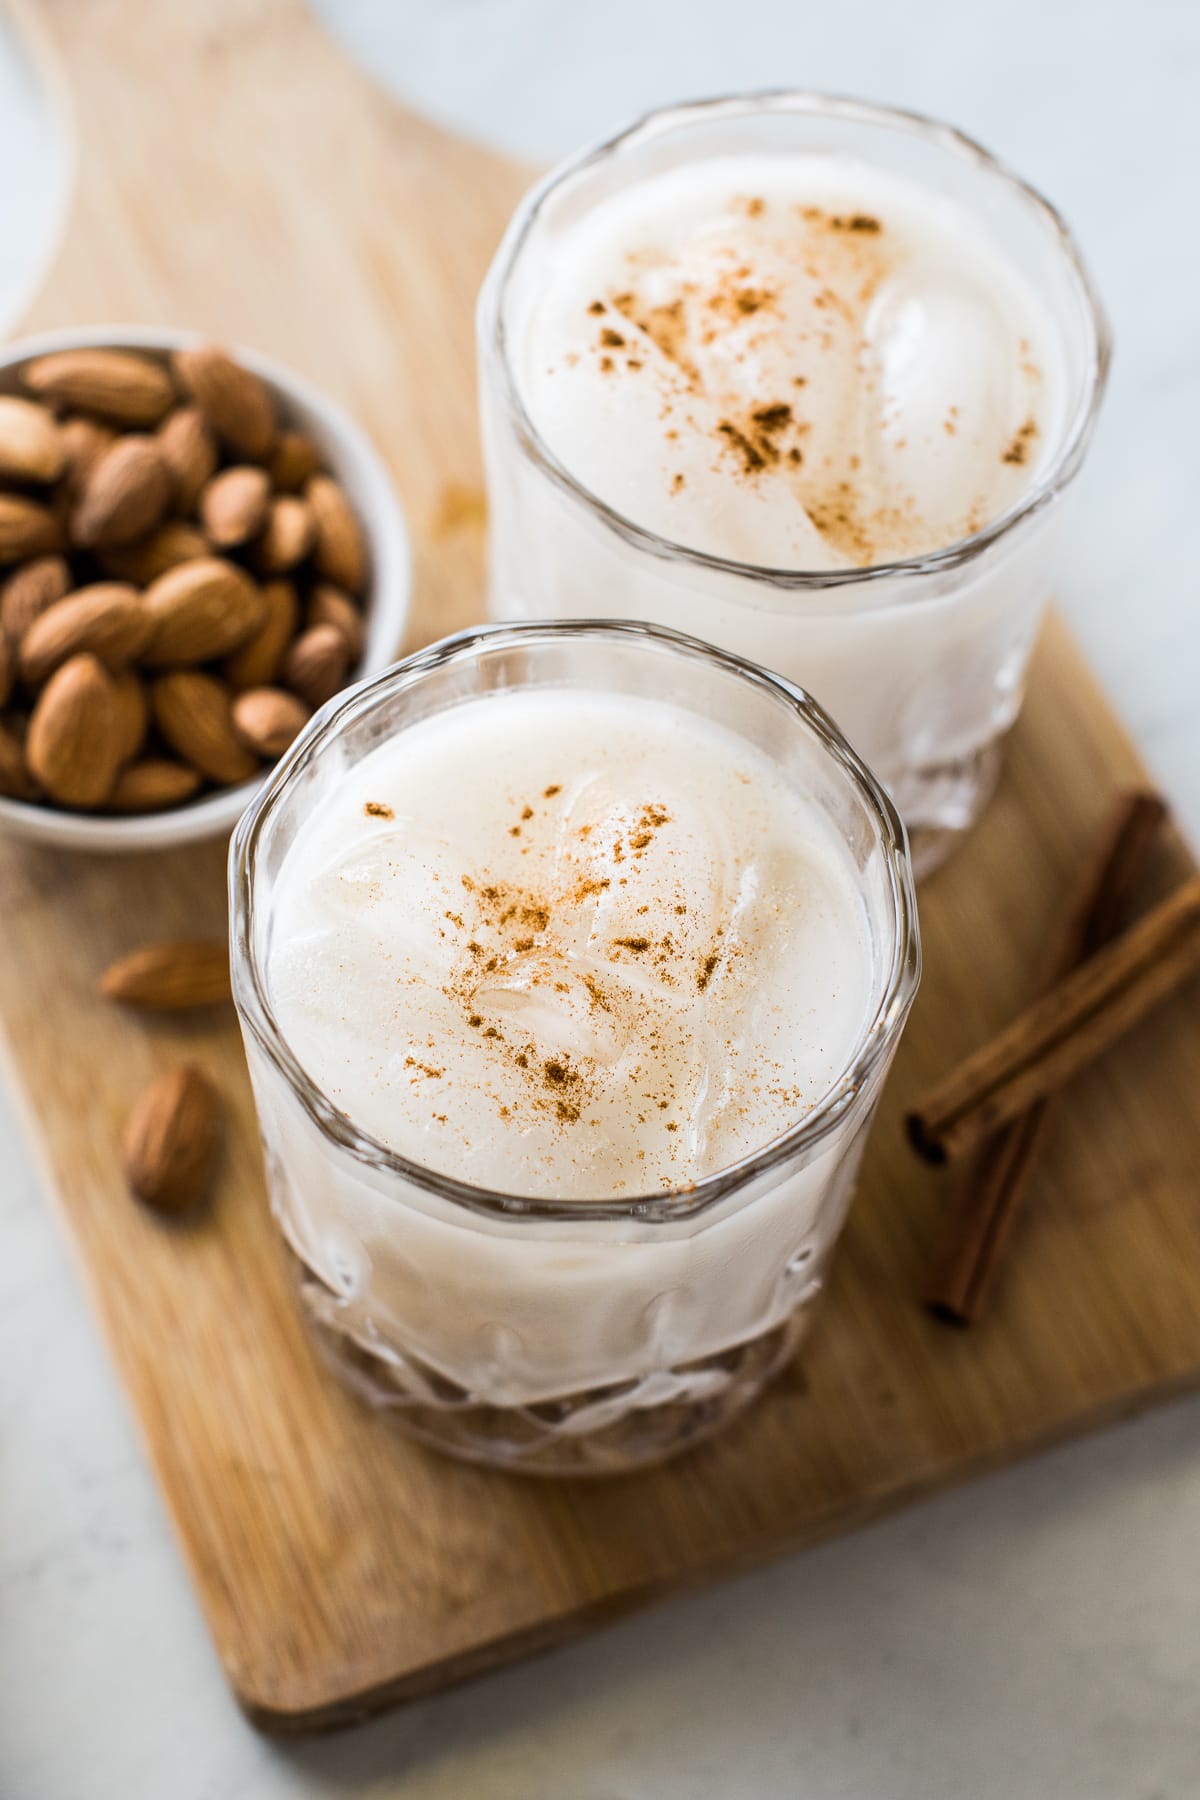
[(1034, 1635)]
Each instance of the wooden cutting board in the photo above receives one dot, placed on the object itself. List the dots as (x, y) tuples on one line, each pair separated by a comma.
[(238, 174)]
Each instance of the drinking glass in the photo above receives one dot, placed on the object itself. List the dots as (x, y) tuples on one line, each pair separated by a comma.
[(565, 1335)]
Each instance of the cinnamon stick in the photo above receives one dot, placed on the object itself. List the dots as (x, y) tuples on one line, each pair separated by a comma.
[(968, 1260), (1065, 1030)]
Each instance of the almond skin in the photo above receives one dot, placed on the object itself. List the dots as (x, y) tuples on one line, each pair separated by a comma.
[(107, 619), (293, 460), (194, 715), (268, 719), (189, 449), (133, 714), (7, 670), (153, 785), (124, 496), (328, 605), (340, 552), (16, 783), (169, 977), (27, 528), (315, 665), (84, 441), (200, 610), (31, 447), (117, 385), (287, 536), (29, 591), (258, 661), (233, 506), (72, 747), (234, 401), (171, 1140), (169, 544)]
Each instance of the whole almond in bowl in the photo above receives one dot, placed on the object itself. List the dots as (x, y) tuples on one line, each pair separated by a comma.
[(214, 542)]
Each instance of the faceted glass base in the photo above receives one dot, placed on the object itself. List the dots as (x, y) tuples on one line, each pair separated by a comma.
[(605, 1431), (940, 803)]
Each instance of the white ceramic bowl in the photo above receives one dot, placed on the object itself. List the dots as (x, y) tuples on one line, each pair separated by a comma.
[(348, 454)]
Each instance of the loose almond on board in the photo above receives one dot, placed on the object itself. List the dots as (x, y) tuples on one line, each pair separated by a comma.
[(153, 785), (169, 977), (233, 400), (73, 743), (27, 528), (117, 385), (340, 551), (189, 449), (233, 505), (31, 446), (268, 719), (171, 1140), (29, 590), (124, 495), (316, 663), (194, 714), (106, 618), (200, 610)]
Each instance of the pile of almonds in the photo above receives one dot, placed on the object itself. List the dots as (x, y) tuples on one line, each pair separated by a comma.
[(181, 583)]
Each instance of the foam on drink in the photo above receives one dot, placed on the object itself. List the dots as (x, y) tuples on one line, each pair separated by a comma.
[(799, 361), (570, 944)]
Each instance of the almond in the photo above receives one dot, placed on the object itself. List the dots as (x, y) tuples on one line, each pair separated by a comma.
[(169, 977), (315, 665), (27, 528), (287, 537), (29, 590), (31, 447), (124, 495), (257, 662), (171, 1140), (193, 713), (233, 506), (169, 544), (340, 552), (199, 610), (16, 783), (234, 401), (83, 442), (293, 460), (107, 618), (268, 719), (328, 605), (153, 785), (187, 446), (118, 385), (7, 670), (133, 714), (72, 748)]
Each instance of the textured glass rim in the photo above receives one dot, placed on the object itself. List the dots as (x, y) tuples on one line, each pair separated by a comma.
[(1076, 437), (665, 1205)]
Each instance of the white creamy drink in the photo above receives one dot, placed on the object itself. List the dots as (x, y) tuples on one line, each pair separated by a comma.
[(805, 378), (791, 360), (570, 945), (570, 961)]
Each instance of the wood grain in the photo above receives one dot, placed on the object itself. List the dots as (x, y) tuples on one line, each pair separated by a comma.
[(239, 175)]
